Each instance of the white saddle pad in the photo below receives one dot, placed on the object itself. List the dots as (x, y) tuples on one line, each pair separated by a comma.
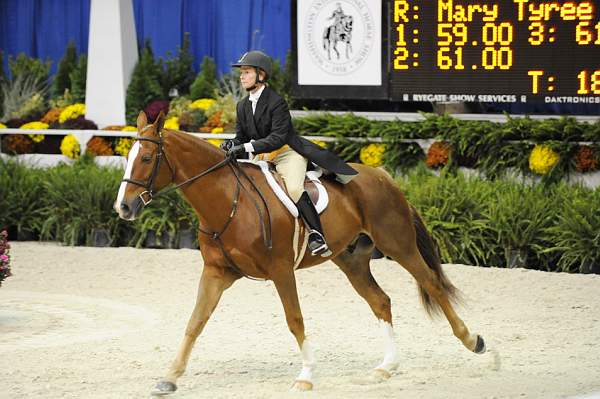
[(313, 175)]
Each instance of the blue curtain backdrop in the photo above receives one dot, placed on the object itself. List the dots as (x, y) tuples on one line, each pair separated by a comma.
[(221, 29)]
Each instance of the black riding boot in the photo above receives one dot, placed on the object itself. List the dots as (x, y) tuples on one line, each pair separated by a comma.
[(316, 239)]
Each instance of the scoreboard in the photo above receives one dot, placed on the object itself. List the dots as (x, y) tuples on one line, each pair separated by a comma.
[(511, 51), (496, 51)]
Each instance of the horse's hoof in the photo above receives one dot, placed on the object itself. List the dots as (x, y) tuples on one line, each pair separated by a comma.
[(164, 388), (302, 386), (379, 375), (480, 346)]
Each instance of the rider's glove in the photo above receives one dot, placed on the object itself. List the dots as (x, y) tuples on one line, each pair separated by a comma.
[(236, 151)]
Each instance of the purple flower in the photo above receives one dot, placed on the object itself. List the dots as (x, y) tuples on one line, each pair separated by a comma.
[(4, 258)]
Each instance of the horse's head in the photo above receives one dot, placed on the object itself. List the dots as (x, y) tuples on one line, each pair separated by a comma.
[(148, 169)]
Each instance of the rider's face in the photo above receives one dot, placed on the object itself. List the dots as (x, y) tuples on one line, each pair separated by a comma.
[(247, 77)]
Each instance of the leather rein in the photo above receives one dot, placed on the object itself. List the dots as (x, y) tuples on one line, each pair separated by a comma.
[(150, 193)]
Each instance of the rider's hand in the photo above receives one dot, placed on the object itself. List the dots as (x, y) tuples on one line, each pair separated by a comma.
[(227, 144), (236, 151)]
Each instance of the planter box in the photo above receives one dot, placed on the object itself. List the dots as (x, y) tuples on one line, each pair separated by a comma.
[(187, 239), (101, 238)]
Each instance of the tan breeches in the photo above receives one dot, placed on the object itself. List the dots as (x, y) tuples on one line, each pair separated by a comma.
[(292, 168)]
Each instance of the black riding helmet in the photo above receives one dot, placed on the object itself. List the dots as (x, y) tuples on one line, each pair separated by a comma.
[(258, 60)]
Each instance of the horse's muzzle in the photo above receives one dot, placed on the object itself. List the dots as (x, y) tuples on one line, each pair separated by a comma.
[(129, 211)]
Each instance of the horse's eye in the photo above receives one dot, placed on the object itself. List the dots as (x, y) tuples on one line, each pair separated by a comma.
[(146, 158)]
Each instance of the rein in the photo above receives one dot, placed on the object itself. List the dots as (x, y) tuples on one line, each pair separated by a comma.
[(215, 235)]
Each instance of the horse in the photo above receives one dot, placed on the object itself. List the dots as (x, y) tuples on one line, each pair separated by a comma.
[(339, 32), (368, 211)]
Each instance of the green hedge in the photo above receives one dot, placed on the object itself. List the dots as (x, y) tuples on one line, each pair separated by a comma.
[(475, 221), (493, 148)]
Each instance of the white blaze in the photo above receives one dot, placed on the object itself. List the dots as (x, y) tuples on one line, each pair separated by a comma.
[(132, 155)]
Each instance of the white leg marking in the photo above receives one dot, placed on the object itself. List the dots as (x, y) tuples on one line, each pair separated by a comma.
[(390, 359), (132, 155), (308, 363)]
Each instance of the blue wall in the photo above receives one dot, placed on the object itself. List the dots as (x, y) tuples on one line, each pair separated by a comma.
[(221, 29)]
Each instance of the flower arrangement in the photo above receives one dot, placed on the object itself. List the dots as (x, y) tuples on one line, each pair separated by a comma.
[(203, 103), (155, 107), (4, 257), (72, 112), (37, 138), (213, 121), (438, 154), (2, 125), (172, 123), (216, 142), (129, 128), (52, 116), (192, 119), (123, 146), (70, 147), (178, 106), (99, 146), (79, 123), (585, 159), (542, 159), (114, 128), (17, 144), (372, 155)]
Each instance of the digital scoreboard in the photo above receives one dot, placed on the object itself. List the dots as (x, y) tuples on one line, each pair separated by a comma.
[(501, 51), (512, 51)]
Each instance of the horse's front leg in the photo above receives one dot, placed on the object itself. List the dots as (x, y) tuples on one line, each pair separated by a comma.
[(213, 282), (285, 283)]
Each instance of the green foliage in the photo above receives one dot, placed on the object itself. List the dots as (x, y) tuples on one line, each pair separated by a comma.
[(21, 196), (78, 79), (22, 97), (178, 73), (33, 68), (145, 84), (78, 199), (206, 83), (62, 81)]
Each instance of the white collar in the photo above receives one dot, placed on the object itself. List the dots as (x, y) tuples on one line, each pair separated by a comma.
[(256, 95)]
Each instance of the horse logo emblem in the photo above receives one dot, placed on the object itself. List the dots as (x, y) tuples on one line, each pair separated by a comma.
[(340, 34), (339, 31)]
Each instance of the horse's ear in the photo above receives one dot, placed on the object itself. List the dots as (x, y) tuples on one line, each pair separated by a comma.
[(142, 120), (159, 122)]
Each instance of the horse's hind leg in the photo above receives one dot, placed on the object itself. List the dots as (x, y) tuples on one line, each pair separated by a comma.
[(356, 267), (285, 283), (213, 282), (436, 289)]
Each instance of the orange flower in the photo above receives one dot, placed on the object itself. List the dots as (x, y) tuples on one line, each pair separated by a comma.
[(585, 159), (438, 154)]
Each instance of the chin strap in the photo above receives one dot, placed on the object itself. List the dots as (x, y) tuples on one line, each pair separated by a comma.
[(257, 81)]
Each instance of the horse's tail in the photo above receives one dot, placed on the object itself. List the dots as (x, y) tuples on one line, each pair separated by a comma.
[(429, 251)]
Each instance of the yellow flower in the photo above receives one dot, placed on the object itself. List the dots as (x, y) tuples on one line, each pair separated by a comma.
[(71, 112), (217, 130), (372, 155), (123, 146), (215, 142), (203, 103), (70, 146), (542, 159), (129, 129), (2, 126), (320, 143), (35, 126), (172, 123)]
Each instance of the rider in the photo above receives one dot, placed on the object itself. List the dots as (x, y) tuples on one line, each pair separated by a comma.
[(337, 16), (264, 127)]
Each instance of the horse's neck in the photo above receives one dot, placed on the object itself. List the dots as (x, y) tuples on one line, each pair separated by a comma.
[(210, 194)]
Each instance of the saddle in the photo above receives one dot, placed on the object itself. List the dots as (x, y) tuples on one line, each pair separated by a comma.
[(313, 186)]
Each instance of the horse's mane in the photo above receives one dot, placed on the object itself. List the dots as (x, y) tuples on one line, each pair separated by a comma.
[(196, 144)]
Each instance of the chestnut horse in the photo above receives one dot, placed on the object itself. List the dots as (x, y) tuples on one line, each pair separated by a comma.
[(371, 205)]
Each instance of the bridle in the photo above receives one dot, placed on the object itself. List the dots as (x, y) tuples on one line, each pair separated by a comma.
[(149, 191), (148, 185)]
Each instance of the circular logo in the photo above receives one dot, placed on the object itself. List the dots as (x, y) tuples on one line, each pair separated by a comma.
[(339, 34)]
